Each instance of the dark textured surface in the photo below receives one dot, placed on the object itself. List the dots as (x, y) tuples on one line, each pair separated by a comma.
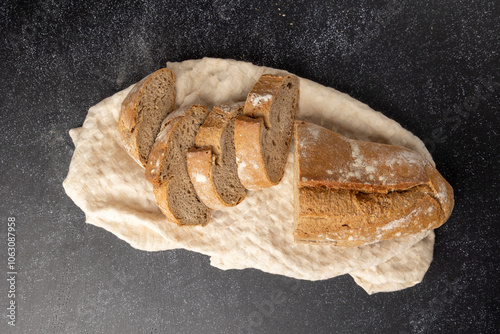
[(432, 66)]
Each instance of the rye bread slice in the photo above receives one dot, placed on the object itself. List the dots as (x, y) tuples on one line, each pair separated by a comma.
[(263, 135), (142, 113), (167, 171), (350, 193), (212, 162)]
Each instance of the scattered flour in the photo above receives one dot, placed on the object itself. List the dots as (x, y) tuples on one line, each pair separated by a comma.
[(200, 178), (258, 99), (398, 222)]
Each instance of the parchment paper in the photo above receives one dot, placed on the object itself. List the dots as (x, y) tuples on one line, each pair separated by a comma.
[(109, 186)]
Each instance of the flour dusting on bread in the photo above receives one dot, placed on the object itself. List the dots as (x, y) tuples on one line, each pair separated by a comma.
[(353, 193), (258, 99)]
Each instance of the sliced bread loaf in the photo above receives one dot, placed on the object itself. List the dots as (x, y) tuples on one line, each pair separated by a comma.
[(262, 136), (143, 110), (351, 193), (167, 171), (212, 163)]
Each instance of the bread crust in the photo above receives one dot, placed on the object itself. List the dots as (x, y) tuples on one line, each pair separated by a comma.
[(250, 148), (156, 159), (248, 133), (201, 160), (129, 120), (363, 192), (156, 163)]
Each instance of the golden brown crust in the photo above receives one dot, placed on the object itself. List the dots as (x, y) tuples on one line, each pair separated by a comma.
[(200, 162), (442, 190), (259, 100), (351, 218), (155, 165), (353, 164), (362, 192), (249, 153), (156, 159), (129, 119), (161, 197)]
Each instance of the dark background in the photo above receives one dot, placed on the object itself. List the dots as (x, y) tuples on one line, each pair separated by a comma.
[(432, 66)]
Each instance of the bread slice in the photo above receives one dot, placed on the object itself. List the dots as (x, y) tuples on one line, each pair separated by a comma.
[(167, 171), (352, 193), (212, 163), (143, 110), (262, 136)]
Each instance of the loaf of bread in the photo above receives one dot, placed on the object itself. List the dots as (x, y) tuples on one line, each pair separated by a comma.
[(262, 136), (352, 193), (166, 168), (143, 111), (212, 163)]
